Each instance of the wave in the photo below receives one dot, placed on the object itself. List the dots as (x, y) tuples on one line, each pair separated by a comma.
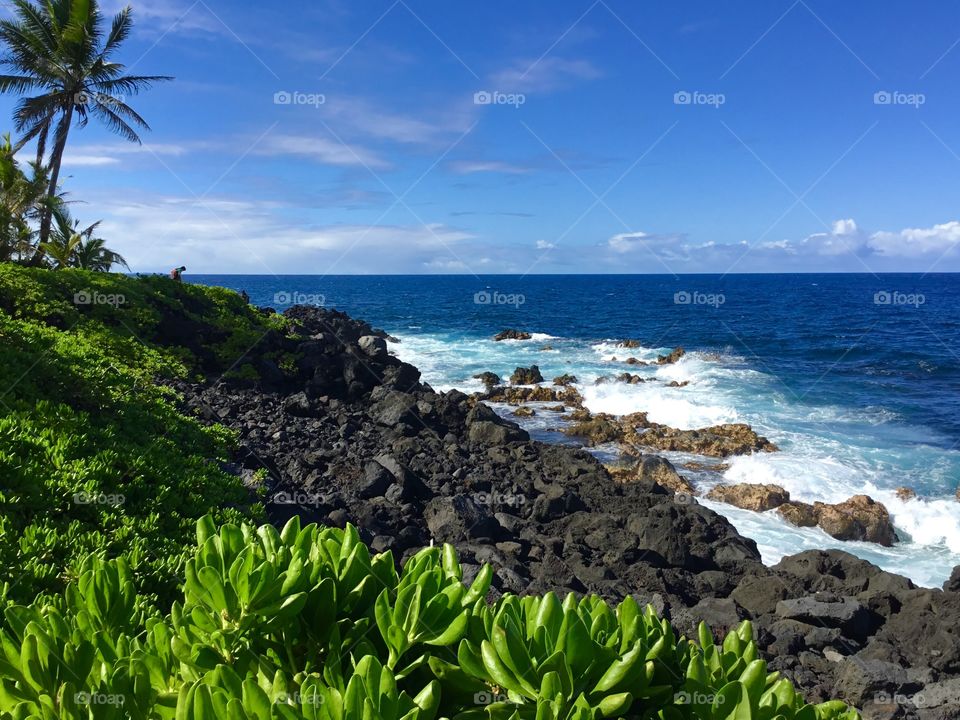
[(828, 452)]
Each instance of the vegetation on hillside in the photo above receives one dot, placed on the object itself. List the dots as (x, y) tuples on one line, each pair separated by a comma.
[(94, 454)]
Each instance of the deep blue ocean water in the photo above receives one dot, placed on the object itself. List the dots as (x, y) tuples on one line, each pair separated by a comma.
[(855, 377)]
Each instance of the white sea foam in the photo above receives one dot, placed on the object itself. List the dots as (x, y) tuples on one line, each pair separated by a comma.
[(828, 453)]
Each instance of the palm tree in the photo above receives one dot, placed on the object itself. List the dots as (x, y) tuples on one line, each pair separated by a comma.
[(71, 246), (23, 201), (59, 49)]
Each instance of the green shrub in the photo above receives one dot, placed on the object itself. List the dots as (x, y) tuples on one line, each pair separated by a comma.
[(306, 623), (95, 456)]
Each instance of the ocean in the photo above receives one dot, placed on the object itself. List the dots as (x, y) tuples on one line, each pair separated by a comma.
[(855, 377)]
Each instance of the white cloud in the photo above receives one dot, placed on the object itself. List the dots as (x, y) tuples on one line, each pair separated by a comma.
[(226, 235), (112, 153), (322, 150), (544, 75), (356, 116), (74, 160), (844, 247), (918, 242), (625, 242), (469, 167), (545, 245)]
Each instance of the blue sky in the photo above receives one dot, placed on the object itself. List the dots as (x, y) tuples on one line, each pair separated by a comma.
[(757, 136)]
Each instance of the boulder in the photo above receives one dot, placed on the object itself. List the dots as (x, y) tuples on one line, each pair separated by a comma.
[(652, 468), (721, 614), (373, 347), (393, 408), (451, 519), (565, 379), (596, 430), (671, 357), (524, 412), (905, 493), (861, 681), (715, 441), (629, 344), (747, 496), (675, 384), (661, 471), (859, 518), (511, 334), (630, 378), (489, 379), (375, 481), (491, 433), (797, 513), (759, 595), (526, 376), (831, 611), (952, 584)]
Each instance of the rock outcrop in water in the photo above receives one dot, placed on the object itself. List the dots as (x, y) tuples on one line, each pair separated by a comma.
[(759, 498), (526, 376), (352, 434), (511, 334)]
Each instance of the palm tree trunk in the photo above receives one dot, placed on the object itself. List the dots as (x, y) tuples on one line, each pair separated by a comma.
[(56, 159)]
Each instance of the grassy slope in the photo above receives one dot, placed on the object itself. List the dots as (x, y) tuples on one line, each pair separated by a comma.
[(94, 456)]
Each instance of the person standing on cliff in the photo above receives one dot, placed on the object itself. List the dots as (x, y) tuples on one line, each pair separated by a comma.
[(177, 274)]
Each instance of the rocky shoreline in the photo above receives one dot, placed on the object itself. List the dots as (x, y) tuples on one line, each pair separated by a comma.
[(349, 433)]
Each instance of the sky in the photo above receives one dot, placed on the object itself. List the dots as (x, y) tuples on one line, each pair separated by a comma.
[(419, 136)]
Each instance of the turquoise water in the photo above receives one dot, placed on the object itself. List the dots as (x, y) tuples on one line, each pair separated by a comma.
[(855, 377)]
